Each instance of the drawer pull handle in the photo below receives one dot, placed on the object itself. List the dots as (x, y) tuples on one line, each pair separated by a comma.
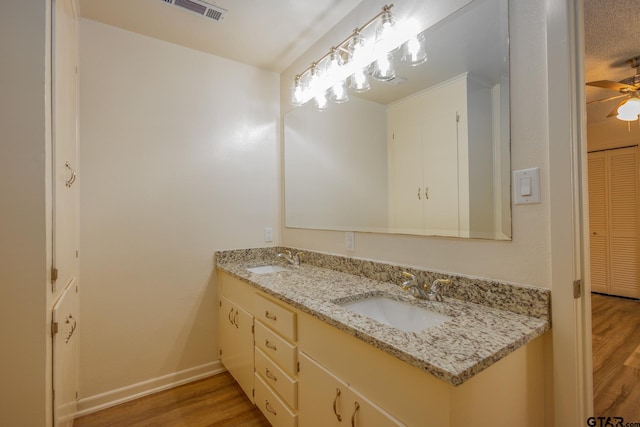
[(270, 375), (229, 316), (270, 345), (270, 316), (268, 407), (335, 404), (235, 319), (353, 417)]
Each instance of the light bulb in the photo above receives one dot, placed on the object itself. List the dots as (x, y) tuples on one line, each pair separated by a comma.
[(358, 48), (321, 101), (359, 81), (414, 52), (383, 70), (297, 93), (338, 92), (386, 26)]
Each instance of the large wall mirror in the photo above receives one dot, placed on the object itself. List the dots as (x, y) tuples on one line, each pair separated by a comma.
[(425, 154)]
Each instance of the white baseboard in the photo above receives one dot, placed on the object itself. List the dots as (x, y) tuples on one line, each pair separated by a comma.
[(111, 398)]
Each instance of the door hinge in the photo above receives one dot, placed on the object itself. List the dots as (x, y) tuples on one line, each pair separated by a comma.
[(54, 274), (220, 352), (577, 288), (76, 395), (54, 328), (253, 392), (298, 366), (253, 329)]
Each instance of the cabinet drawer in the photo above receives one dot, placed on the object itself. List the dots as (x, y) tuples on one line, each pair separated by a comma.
[(277, 348), (272, 407), (279, 381), (278, 318)]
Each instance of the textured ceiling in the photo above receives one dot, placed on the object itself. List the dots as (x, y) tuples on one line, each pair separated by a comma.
[(612, 36), (267, 34)]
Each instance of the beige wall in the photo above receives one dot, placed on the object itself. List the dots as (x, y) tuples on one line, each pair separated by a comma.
[(24, 214), (526, 259), (178, 158), (612, 133)]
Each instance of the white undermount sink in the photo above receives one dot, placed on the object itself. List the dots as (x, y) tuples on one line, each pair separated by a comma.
[(401, 315), (265, 269)]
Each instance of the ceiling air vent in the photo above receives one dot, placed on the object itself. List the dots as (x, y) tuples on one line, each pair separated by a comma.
[(201, 8)]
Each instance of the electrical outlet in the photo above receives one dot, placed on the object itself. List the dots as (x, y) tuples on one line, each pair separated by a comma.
[(268, 234), (350, 241)]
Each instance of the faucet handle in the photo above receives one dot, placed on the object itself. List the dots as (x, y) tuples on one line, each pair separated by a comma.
[(411, 277)]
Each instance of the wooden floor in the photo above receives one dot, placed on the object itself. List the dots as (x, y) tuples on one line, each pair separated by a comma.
[(616, 357), (215, 401)]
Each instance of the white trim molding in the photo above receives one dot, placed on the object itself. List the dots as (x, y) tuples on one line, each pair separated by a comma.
[(111, 398)]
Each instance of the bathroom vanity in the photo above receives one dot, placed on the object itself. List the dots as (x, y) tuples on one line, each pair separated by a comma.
[(306, 359)]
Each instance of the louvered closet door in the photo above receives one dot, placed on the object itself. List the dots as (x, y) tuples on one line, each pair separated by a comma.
[(598, 208), (623, 221)]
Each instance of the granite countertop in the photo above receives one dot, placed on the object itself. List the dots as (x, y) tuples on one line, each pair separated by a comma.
[(476, 337)]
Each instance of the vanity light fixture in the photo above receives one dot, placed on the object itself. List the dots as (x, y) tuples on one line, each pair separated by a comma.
[(351, 62)]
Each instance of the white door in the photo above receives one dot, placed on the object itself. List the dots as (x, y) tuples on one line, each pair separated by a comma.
[(65, 348)]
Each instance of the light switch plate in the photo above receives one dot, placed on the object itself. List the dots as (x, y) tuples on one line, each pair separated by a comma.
[(526, 186), (268, 234)]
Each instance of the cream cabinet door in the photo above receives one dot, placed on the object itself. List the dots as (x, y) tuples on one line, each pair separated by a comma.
[(65, 354), (65, 157), (444, 142), (406, 183), (236, 343), (324, 401)]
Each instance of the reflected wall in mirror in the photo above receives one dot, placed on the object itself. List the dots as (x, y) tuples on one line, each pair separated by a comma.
[(425, 154)]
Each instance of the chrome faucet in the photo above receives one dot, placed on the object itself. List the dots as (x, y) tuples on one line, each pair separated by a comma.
[(292, 259), (414, 287), (423, 292), (434, 289)]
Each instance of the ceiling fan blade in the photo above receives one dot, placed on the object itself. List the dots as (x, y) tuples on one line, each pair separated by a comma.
[(614, 112), (605, 99), (608, 84)]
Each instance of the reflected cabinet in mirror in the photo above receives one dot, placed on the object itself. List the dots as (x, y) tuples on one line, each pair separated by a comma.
[(426, 153)]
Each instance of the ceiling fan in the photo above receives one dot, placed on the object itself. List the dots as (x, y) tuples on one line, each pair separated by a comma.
[(629, 108)]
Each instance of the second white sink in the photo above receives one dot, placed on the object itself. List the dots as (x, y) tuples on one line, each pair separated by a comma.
[(398, 314)]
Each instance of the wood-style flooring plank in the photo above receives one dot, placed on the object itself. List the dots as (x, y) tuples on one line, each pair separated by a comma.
[(616, 357), (217, 401)]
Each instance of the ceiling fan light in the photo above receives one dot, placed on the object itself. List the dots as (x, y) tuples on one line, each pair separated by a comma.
[(630, 110), (627, 116)]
